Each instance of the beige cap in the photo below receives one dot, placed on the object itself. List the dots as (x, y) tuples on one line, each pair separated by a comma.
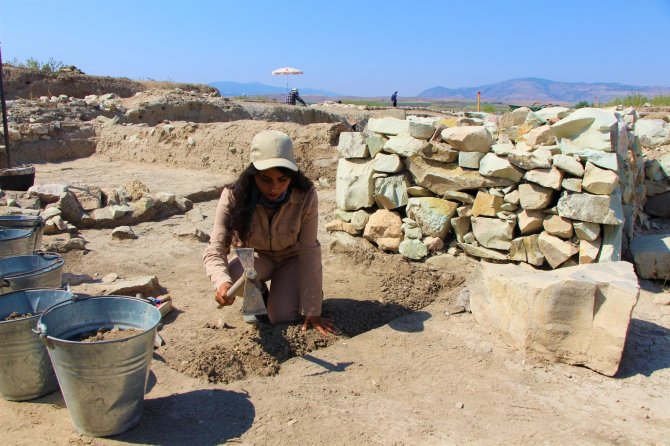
[(271, 148)]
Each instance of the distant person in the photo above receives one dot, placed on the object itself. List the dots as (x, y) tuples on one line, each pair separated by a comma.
[(394, 98), (294, 96)]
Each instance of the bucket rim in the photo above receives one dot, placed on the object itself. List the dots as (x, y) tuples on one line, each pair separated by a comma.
[(42, 330), (55, 261), (36, 315)]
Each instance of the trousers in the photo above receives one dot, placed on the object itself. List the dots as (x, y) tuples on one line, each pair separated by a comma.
[(283, 299)]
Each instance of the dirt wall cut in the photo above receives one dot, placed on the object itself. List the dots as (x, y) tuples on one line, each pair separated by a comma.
[(219, 146)]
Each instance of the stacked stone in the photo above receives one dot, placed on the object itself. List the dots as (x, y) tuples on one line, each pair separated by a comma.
[(554, 187), (657, 185), (65, 208)]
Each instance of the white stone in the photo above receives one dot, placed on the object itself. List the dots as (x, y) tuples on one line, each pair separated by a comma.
[(601, 209), (352, 145), (413, 249), (555, 250), (550, 178), (389, 163), (538, 159), (651, 254), (404, 145), (586, 231), (391, 192), (533, 196), (568, 164), (468, 139), (558, 226), (493, 165), (440, 177), (492, 232), (470, 160), (599, 181), (589, 128), (432, 215), (588, 251), (577, 315), (572, 184), (652, 132), (354, 186), (375, 144)]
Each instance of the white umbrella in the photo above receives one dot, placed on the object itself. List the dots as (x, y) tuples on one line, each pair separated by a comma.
[(286, 71)]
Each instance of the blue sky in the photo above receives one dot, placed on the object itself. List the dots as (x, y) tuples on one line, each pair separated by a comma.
[(362, 48)]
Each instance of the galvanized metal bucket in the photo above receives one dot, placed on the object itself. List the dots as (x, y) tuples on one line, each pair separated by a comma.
[(25, 368), (25, 222), (16, 241), (103, 382), (40, 270)]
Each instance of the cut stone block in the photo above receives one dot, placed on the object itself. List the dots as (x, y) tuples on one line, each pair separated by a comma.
[(578, 315), (651, 254)]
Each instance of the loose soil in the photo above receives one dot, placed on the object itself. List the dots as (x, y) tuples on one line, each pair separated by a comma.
[(108, 334), (404, 370), (15, 315)]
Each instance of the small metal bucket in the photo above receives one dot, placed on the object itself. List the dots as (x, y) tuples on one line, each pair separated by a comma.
[(17, 241), (103, 382), (25, 222), (25, 368), (40, 270)]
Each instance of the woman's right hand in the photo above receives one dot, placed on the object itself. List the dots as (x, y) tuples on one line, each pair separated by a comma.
[(221, 295)]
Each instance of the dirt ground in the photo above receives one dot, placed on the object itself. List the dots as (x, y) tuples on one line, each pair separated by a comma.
[(402, 372)]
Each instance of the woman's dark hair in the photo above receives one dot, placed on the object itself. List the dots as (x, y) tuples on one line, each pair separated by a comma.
[(245, 198)]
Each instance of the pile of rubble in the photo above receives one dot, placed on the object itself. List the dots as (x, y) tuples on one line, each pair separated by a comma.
[(66, 208), (556, 187)]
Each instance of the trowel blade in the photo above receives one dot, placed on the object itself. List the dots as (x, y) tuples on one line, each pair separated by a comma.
[(253, 304), (246, 256)]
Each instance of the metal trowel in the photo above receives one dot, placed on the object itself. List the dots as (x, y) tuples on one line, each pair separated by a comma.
[(252, 303)]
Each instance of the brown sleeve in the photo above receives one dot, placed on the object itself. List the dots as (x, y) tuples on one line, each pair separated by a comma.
[(215, 256), (309, 258)]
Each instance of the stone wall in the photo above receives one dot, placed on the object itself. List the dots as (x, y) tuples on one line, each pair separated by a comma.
[(551, 188)]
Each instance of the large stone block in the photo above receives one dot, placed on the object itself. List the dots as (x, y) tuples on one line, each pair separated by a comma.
[(651, 254), (432, 215), (577, 315), (391, 192), (405, 145), (468, 139), (601, 209), (354, 186), (589, 128), (440, 177), (352, 145)]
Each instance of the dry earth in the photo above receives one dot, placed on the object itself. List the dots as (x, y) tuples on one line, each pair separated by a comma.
[(402, 372)]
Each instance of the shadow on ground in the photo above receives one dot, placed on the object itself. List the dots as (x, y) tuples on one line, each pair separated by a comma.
[(202, 417), (647, 349)]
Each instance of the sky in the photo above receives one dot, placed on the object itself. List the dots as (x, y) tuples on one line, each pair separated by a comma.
[(358, 48)]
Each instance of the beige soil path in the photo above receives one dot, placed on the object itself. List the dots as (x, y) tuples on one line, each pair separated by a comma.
[(425, 378)]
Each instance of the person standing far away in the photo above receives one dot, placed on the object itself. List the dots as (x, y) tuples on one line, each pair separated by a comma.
[(273, 208), (294, 96), (394, 99)]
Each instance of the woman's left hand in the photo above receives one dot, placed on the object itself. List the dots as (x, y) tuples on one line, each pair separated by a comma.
[(322, 324)]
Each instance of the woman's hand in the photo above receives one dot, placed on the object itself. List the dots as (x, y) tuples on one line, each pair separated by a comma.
[(323, 325), (221, 297)]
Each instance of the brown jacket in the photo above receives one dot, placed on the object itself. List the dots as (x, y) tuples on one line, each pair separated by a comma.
[(291, 232)]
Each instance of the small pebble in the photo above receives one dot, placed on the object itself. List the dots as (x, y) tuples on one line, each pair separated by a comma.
[(460, 405)]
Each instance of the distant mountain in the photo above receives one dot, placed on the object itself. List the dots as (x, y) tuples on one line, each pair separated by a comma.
[(227, 88), (532, 89)]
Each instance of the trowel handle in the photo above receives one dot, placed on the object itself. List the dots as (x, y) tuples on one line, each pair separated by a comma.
[(233, 289)]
